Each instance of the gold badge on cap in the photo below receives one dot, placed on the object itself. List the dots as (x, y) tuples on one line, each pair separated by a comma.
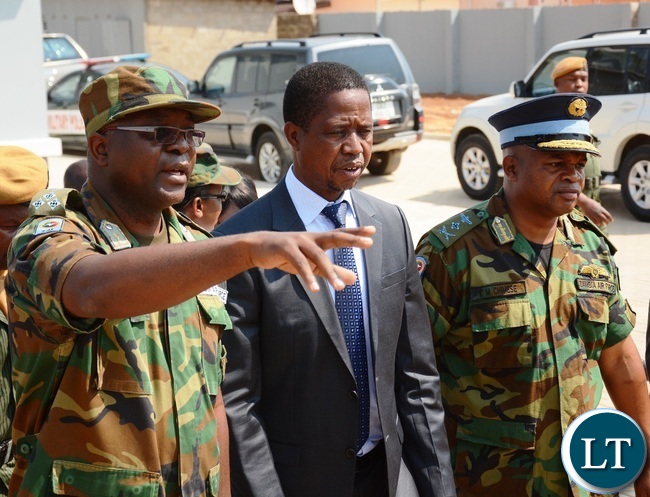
[(577, 107)]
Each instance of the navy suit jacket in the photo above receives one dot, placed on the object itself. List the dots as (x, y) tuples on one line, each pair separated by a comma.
[(289, 388)]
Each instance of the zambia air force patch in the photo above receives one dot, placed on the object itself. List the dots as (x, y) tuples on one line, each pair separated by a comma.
[(49, 225), (421, 263)]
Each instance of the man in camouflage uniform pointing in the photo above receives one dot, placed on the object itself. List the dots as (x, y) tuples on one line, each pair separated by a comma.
[(526, 311), (115, 314)]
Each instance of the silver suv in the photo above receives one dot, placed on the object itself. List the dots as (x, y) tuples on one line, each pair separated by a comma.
[(248, 81), (619, 72)]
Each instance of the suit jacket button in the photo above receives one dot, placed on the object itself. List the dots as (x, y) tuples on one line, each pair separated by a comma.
[(350, 453), (353, 394)]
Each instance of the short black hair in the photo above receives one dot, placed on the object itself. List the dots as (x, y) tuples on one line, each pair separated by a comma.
[(191, 192), (241, 194), (309, 87)]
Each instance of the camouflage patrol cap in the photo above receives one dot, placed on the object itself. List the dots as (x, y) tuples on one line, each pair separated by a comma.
[(129, 89), (208, 171), (22, 175), (558, 123)]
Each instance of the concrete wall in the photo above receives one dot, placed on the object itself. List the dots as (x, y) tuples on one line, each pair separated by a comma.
[(23, 120), (184, 34), (481, 52), (467, 51), (101, 27)]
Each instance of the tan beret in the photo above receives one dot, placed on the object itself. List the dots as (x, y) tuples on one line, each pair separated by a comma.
[(22, 175), (567, 65)]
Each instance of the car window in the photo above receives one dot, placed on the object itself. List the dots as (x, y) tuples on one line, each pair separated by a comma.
[(219, 77), (246, 73), (540, 83), (282, 68), (65, 91), (369, 59), (59, 49), (612, 71), (617, 70)]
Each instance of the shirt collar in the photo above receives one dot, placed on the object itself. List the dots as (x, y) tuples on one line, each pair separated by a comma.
[(307, 202)]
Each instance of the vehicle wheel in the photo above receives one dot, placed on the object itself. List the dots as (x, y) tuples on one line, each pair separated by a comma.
[(635, 182), (272, 162), (383, 163), (477, 168)]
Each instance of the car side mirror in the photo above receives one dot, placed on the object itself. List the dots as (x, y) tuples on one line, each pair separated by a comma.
[(214, 92), (193, 86), (517, 88)]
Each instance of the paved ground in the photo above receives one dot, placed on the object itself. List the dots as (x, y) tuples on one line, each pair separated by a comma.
[(426, 187)]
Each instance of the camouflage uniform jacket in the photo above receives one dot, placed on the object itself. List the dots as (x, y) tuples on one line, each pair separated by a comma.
[(517, 345), (107, 407), (6, 397)]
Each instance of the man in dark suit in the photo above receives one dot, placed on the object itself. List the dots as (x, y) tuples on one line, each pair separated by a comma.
[(306, 417)]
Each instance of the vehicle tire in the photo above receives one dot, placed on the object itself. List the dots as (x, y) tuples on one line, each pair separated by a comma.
[(272, 161), (383, 163), (477, 168), (635, 182)]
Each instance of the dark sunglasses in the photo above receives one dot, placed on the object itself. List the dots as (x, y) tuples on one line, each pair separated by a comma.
[(219, 196), (165, 135)]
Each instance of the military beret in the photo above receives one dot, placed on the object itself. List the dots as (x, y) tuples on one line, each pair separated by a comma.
[(567, 65), (208, 171), (129, 89), (558, 122), (22, 175)]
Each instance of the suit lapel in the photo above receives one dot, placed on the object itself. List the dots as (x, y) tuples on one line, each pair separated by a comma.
[(286, 218), (373, 258)]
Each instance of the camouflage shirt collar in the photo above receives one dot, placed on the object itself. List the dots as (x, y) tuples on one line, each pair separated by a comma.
[(99, 210), (498, 207)]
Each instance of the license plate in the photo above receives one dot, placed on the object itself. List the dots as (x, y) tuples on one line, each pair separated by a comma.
[(384, 110)]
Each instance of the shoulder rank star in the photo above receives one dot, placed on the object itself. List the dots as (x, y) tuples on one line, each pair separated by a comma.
[(502, 231)]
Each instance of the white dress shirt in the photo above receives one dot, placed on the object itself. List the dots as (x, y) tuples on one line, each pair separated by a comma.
[(309, 205)]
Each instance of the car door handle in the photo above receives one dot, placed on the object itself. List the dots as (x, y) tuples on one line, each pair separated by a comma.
[(256, 102)]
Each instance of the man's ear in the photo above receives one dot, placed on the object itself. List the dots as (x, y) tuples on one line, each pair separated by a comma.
[(97, 149), (510, 167), (196, 207), (292, 132)]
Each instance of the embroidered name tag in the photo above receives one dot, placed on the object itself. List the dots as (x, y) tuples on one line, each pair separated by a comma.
[(502, 290), (596, 286)]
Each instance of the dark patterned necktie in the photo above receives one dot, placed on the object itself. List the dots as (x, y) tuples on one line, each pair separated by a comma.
[(349, 307)]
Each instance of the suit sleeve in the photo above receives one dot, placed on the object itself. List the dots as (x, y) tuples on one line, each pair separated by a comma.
[(417, 384), (252, 470)]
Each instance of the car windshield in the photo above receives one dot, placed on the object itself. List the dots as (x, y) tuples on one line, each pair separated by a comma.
[(59, 49), (369, 59)]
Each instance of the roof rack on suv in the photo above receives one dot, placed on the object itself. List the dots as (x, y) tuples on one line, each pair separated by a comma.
[(642, 31), (375, 35), (270, 43)]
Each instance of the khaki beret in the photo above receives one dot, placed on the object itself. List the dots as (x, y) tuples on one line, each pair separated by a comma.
[(22, 175), (568, 65)]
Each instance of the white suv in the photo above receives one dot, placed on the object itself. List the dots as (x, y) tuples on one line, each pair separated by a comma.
[(619, 75)]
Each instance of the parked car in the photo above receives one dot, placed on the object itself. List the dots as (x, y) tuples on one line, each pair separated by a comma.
[(61, 55), (63, 117), (619, 72), (248, 81)]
